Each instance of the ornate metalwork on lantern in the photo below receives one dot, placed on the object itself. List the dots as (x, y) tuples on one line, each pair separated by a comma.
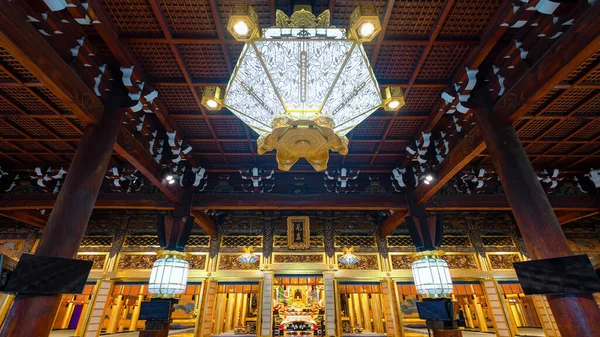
[(247, 257), (349, 259), (432, 275), (303, 84)]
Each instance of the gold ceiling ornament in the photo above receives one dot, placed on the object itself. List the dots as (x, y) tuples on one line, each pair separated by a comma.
[(309, 139), (302, 18), (303, 84)]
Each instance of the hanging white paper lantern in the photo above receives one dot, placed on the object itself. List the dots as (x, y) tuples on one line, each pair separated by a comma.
[(169, 274), (432, 276)]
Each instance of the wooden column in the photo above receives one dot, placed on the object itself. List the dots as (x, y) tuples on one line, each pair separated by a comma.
[(578, 314), (33, 315)]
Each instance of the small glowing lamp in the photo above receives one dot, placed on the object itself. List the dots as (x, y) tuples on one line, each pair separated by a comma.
[(243, 23), (211, 98), (364, 23), (393, 99)]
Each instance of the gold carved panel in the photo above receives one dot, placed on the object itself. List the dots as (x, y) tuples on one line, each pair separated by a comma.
[(503, 261), (366, 262), (197, 261), (584, 244), (136, 261), (230, 262), (97, 259), (298, 232), (297, 258), (403, 261), (461, 261), (11, 247)]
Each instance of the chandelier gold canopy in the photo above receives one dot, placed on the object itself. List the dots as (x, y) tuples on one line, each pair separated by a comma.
[(303, 84)]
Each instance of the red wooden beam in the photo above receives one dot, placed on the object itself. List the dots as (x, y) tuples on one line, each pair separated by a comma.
[(432, 37), (575, 46), (268, 201), (564, 217), (392, 222), (160, 16), (24, 43), (389, 6), (33, 218), (205, 222), (446, 41), (38, 56)]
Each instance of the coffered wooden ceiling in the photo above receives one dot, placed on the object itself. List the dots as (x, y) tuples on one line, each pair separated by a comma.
[(183, 45)]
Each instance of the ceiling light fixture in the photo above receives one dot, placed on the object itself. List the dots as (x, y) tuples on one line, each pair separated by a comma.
[(303, 84), (241, 28), (367, 29), (212, 103)]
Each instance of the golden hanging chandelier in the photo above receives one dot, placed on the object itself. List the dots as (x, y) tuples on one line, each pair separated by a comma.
[(303, 84)]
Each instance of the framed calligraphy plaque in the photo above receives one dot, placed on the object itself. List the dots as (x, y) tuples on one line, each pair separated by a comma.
[(298, 233)]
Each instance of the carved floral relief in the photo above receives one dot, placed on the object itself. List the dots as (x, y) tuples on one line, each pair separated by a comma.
[(197, 261), (136, 261), (230, 262), (366, 262), (503, 261), (461, 261), (402, 261), (97, 260), (316, 258)]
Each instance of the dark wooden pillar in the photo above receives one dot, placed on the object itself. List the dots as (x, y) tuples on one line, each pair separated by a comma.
[(34, 315), (576, 315)]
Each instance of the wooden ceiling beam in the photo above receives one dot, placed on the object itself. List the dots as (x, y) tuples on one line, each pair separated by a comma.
[(108, 33), (205, 222), (34, 93), (26, 44), (491, 35), (269, 201), (223, 82), (432, 37), (387, 13), (30, 217), (392, 222), (214, 9), (575, 46), (446, 41), (564, 217), (160, 16)]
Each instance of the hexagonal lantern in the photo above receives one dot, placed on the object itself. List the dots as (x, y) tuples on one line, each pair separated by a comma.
[(303, 85)]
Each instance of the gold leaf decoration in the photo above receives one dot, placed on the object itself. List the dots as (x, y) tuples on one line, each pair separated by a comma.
[(503, 261), (314, 258), (461, 261), (197, 261), (230, 262), (366, 262), (97, 260), (136, 261), (402, 261)]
